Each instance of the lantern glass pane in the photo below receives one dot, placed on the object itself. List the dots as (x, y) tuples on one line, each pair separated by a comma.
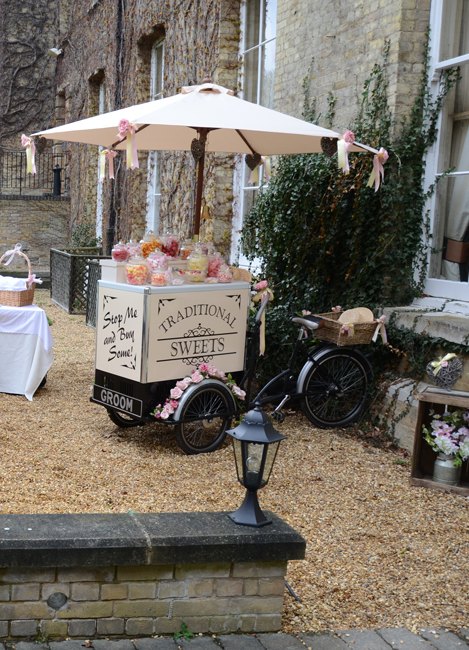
[(269, 460), (238, 454), (254, 465)]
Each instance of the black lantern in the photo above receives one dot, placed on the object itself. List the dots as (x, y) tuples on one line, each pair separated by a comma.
[(255, 445)]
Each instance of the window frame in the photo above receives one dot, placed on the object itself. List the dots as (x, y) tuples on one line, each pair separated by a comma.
[(438, 287), (241, 174)]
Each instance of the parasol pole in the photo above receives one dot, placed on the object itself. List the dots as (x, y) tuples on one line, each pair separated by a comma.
[(198, 153)]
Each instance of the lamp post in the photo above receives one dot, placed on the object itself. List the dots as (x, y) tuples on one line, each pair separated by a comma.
[(255, 445)]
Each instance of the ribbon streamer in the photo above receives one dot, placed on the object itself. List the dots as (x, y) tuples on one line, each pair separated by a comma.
[(442, 363), (343, 147), (108, 154), (380, 329), (254, 175), (264, 295), (377, 173), (127, 132), (28, 144)]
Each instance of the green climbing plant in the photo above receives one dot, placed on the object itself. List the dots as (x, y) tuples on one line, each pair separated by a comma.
[(325, 238)]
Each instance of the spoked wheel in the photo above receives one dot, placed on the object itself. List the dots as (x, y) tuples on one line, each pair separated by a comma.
[(203, 418), (335, 387), (124, 420)]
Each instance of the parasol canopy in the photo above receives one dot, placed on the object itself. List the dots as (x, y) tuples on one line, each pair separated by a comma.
[(200, 118)]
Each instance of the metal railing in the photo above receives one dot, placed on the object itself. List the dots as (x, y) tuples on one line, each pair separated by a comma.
[(51, 178)]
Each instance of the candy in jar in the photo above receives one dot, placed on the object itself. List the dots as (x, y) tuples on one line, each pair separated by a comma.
[(197, 265), (186, 249), (170, 245), (119, 252), (215, 260), (161, 277), (157, 261), (149, 243), (137, 270), (225, 274)]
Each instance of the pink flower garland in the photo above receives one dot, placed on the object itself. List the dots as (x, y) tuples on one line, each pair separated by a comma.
[(203, 371)]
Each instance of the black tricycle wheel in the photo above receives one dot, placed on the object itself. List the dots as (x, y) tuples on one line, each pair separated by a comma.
[(125, 420), (203, 417), (335, 387)]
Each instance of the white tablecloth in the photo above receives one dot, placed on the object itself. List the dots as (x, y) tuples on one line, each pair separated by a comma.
[(25, 349)]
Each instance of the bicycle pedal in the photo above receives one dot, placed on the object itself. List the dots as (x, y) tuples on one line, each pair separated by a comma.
[(278, 416)]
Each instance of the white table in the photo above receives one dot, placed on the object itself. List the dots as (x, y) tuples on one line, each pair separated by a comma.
[(25, 349)]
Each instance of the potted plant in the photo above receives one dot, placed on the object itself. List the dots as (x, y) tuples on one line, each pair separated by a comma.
[(448, 435)]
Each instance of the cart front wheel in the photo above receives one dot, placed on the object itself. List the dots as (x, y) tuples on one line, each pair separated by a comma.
[(204, 418), (124, 420)]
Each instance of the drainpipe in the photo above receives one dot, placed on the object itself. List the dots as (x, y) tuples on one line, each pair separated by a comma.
[(115, 197)]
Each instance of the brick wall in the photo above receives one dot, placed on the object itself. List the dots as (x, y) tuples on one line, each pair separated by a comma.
[(38, 225), (340, 42), (138, 574), (135, 601)]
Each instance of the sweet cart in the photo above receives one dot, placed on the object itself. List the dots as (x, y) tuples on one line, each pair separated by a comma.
[(148, 337)]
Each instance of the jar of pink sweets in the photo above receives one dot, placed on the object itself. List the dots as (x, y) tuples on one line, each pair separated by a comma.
[(224, 274), (119, 252), (137, 270), (215, 260)]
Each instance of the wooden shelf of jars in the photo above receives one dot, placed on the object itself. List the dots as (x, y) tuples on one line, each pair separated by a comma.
[(423, 457)]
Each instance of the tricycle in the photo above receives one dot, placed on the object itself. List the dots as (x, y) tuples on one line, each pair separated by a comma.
[(152, 341)]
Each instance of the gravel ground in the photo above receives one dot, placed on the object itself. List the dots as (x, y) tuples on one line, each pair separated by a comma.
[(380, 553)]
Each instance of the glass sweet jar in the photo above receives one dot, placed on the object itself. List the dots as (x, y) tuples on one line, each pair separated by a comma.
[(137, 270), (197, 265), (120, 252), (170, 245)]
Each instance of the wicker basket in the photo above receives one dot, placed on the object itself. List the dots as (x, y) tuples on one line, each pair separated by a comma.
[(334, 332), (21, 297)]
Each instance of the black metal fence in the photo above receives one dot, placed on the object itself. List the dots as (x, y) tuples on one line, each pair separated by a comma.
[(70, 277), (94, 274), (51, 178)]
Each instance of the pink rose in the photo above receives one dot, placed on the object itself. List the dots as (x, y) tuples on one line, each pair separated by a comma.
[(174, 403), (164, 415), (183, 383), (168, 408), (261, 285), (196, 377), (240, 394), (175, 393), (124, 126), (204, 367)]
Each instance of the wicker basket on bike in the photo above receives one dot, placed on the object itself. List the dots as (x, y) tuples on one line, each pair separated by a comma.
[(350, 327)]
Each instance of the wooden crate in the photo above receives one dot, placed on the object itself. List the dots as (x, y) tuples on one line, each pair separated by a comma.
[(423, 457)]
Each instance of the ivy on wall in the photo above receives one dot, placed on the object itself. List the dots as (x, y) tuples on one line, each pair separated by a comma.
[(325, 238)]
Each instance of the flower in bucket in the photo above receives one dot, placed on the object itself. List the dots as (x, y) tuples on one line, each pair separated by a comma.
[(449, 434), (203, 371)]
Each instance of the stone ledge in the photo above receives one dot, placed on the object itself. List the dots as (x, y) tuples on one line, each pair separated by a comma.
[(435, 317), (58, 540)]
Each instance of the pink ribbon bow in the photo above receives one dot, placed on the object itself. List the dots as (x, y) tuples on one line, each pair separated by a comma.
[(127, 131), (32, 279), (377, 173), (343, 147), (28, 144), (11, 254)]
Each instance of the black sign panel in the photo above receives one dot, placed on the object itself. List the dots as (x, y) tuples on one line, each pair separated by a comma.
[(117, 401)]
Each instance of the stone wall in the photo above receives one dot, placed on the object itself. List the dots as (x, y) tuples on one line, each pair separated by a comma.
[(38, 224), (201, 39), (28, 29)]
